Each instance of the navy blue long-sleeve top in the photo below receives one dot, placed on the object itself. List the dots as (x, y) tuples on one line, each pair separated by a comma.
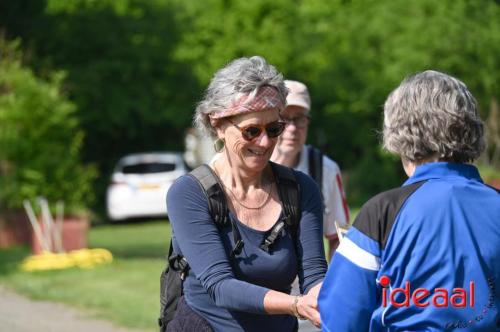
[(229, 293)]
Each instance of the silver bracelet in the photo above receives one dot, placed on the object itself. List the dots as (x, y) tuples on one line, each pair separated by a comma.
[(295, 309)]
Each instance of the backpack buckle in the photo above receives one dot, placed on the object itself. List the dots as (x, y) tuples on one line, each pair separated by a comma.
[(183, 267), (173, 262), (265, 246), (271, 237), (237, 248)]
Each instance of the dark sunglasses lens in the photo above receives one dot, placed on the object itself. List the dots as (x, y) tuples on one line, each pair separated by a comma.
[(251, 132), (275, 129), (301, 121)]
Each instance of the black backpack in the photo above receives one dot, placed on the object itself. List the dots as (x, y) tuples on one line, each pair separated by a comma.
[(177, 267)]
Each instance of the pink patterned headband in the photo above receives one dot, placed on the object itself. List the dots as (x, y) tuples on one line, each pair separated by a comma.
[(267, 97)]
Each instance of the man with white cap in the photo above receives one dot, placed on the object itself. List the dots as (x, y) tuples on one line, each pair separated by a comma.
[(291, 151)]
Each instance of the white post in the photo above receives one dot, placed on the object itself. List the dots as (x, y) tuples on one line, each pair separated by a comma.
[(34, 224), (47, 220)]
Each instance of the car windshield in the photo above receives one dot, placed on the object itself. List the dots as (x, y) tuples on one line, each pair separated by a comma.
[(145, 168)]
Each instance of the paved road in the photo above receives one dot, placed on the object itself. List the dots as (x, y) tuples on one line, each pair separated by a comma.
[(20, 314)]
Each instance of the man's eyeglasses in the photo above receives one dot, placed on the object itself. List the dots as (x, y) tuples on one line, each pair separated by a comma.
[(251, 132), (300, 121)]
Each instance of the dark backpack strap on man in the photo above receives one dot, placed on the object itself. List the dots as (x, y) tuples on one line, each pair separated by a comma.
[(315, 157), (288, 191)]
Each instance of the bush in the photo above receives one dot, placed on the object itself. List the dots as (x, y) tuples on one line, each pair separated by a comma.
[(40, 139)]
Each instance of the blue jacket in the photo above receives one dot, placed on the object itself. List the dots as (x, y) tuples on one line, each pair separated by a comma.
[(422, 257)]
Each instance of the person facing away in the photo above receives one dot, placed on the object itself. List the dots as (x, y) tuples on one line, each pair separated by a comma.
[(291, 151), (250, 291), (424, 256)]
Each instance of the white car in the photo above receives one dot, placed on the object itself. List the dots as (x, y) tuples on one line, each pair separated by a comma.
[(140, 182)]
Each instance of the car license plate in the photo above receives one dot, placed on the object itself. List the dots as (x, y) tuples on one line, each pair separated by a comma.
[(149, 186)]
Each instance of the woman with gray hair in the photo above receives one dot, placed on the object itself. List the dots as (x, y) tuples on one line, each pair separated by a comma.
[(247, 289), (425, 256)]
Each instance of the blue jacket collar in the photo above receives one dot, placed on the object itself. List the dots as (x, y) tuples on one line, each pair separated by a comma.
[(438, 170)]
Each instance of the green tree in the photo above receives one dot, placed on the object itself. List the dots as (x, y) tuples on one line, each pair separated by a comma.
[(368, 47), (130, 94), (40, 139), (218, 31), (136, 68)]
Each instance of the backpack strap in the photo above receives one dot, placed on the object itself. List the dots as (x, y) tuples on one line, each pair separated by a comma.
[(288, 191), (315, 157), (212, 189), (238, 242), (217, 205)]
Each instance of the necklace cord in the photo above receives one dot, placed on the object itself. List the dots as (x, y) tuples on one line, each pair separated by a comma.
[(239, 202)]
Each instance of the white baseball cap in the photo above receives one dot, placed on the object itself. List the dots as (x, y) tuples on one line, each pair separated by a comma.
[(297, 94)]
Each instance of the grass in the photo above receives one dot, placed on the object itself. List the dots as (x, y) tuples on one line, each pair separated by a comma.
[(125, 291)]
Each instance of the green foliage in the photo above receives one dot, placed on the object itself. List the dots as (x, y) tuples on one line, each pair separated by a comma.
[(218, 31), (39, 139), (124, 80), (351, 54), (136, 68), (131, 95), (490, 174)]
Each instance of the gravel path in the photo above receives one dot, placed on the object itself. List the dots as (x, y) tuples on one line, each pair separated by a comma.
[(20, 314)]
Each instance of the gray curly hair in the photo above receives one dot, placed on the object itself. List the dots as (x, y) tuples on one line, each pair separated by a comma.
[(243, 76), (432, 114)]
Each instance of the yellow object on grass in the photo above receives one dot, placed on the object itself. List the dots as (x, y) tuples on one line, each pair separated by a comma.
[(84, 258)]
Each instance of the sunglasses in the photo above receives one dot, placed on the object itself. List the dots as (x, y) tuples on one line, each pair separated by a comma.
[(300, 121), (251, 132)]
